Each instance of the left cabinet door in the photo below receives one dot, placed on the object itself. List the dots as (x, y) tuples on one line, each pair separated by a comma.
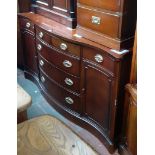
[(30, 54)]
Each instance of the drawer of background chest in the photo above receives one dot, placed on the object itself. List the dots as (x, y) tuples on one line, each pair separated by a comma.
[(101, 22), (113, 5), (63, 97), (57, 42), (61, 60), (64, 79), (99, 58), (26, 24)]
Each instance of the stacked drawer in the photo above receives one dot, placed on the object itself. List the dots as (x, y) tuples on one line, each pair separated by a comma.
[(112, 21), (59, 64)]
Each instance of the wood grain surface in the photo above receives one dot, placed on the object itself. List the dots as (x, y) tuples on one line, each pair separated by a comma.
[(46, 135)]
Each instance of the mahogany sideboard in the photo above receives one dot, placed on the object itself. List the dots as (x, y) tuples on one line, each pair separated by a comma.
[(82, 79)]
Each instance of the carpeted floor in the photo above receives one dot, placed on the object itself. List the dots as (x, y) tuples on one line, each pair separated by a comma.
[(41, 107)]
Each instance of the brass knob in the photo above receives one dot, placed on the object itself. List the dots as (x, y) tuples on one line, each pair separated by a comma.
[(42, 79), (69, 100), (39, 47), (68, 81), (28, 25), (67, 63), (41, 62), (96, 20), (63, 46), (98, 58), (41, 34)]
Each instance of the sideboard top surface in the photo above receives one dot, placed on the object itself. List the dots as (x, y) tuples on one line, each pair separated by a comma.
[(66, 32)]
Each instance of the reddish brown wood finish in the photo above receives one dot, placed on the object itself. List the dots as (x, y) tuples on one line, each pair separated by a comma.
[(108, 62), (62, 11), (59, 76), (30, 57), (57, 58), (98, 95), (114, 26), (109, 23), (101, 84), (21, 116), (129, 128), (56, 42), (60, 94), (113, 5)]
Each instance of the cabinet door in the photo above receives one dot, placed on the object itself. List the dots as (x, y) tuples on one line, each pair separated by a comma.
[(98, 87), (30, 57), (61, 6)]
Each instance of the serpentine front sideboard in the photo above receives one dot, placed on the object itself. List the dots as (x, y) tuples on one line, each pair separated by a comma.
[(82, 79)]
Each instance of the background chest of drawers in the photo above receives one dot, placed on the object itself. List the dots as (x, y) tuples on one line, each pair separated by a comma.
[(108, 22), (83, 80), (62, 11)]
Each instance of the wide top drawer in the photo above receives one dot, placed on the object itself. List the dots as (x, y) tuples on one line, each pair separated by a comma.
[(57, 42), (101, 22), (26, 24), (113, 5)]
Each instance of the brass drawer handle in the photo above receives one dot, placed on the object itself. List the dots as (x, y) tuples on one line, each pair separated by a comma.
[(28, 25), (63, 46), (39, 47), (41, 34), (96, 20), (98, 58), (42, 79), (41, 62), (68, 81), (69, 100), (67, 63)]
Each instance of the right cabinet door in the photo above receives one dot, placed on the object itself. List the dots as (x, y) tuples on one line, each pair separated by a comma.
[(98, 89)]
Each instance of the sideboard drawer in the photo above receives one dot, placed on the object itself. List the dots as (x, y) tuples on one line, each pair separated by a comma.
[(63, 61), (100, 58), (62, 96), (60, 44), (64, 79), (26, 24), (101, 22), (113, 5)]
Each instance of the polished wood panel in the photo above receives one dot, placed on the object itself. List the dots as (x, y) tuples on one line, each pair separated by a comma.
[(108, 62), (113, 5), (30, 56), (133, 75), (26, 24), (129, 128), (57, 42), (111, 74), (72, 35), (97, 95), (109, 23), (109, 27), (59, 76), (24, 5), (57, 58), (47, 135), (62, 11), (60, 94)]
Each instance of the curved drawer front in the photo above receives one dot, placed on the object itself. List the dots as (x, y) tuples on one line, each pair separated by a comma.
[(60, 44), (26, 24), (113, 5), (101, 22), (100, 58), (63, 97), (65, 62), (60, 77)]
